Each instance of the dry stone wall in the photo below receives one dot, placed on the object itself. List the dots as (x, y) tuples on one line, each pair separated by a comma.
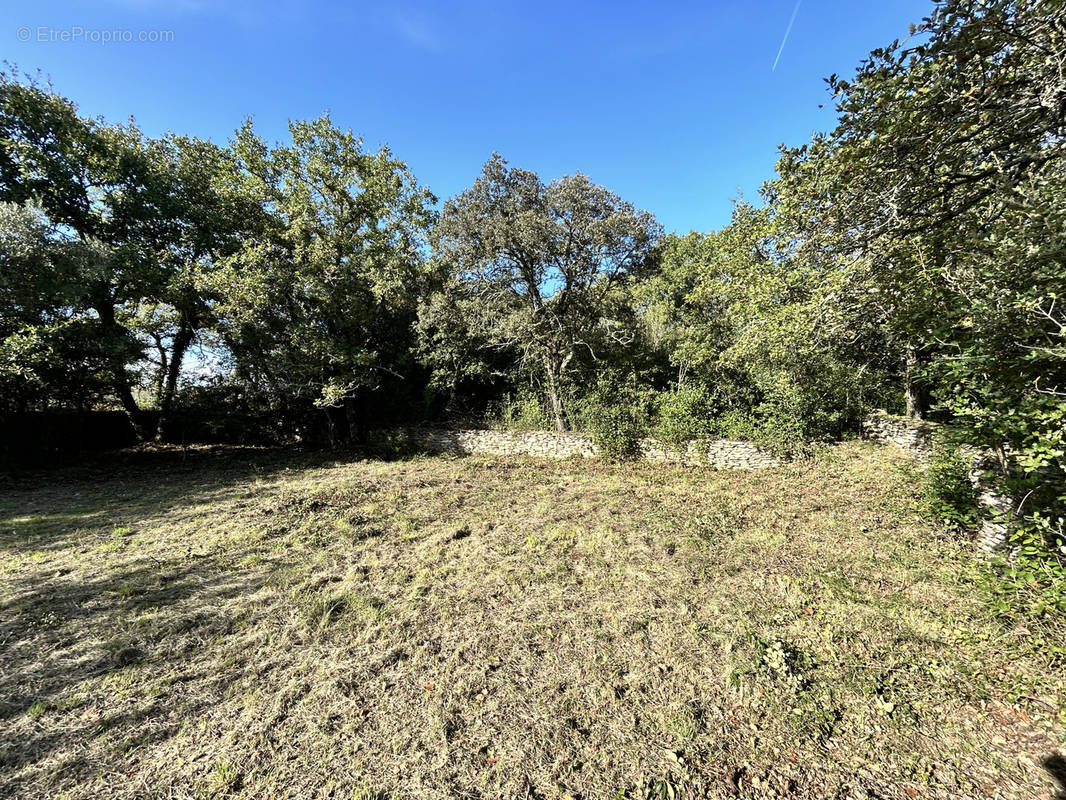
[(500, 443), (715, 453), (910, 434)]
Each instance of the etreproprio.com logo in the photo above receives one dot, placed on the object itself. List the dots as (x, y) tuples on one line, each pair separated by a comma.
[(77, 33)]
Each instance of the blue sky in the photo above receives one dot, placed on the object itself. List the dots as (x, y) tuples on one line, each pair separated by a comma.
[(675, 106)]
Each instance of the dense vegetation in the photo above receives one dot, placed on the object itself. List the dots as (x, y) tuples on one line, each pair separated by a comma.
[(912, 258)]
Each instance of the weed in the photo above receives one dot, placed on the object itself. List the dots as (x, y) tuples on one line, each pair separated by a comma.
[(38, 709)]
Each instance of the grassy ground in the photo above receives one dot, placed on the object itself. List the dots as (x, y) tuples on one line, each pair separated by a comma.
[(253, 624)]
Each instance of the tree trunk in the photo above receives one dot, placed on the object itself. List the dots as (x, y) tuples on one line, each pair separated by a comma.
[(355, 426), (142, 422), (165, 401), (331, 428), (551, 365), (164, 368)]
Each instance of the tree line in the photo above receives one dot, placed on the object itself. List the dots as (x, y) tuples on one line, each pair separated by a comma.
[(912, 258)]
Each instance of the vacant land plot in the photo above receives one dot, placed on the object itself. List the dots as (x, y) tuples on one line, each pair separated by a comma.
[(248, 623)]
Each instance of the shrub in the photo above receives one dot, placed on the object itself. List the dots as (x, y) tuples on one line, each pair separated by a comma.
[(521, 412), (777, 433), (1040, 529), (616, 416), (615, 430), (392, 445), (948, 495), (1032, 584), (1028, 588), (684, 414), (1029, 583), (736, 425), (794, 414)]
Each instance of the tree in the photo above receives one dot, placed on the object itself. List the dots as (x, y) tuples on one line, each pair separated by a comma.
[(149, 216), (758, 328), (203, 218), (319, 305), (541, 265), (94, 184), (50, 353), (946, 174)]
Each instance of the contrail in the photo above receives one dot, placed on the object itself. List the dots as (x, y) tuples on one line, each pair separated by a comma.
[(788, 30)]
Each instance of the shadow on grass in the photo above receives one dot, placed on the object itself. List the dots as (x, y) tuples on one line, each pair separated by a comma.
[(1056, 768), (63, 639), (86, 650), (47, 509)]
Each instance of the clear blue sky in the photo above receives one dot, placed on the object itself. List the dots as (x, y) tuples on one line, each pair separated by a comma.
[(672, 105)]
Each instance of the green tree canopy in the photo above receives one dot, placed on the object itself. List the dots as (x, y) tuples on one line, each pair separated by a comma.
[(318, 306), (538, 267)]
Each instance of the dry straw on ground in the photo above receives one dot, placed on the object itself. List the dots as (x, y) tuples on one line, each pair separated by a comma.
[(251, 624)]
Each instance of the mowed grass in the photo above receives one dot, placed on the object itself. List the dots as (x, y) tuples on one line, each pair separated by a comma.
[(255, 624)]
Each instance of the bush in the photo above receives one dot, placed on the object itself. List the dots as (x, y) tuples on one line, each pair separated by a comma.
[(684, 414), (737, 425), (1040, 530), (1032, 585), (392, 445), (1028, 588), (616, 416), (615, 430), (948, 495), (521, 412), (1029, 584)]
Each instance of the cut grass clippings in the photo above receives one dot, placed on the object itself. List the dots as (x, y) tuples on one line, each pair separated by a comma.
[(256, 624)]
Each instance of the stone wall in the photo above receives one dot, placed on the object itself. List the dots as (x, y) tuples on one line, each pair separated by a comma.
[(715, 453), (916, 437), (910, 434), (501, 443)]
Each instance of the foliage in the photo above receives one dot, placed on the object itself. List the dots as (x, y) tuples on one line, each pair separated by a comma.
[(615, 414), (300, 264), (50, 352), (392, 445), (684, 414), (319, 307), (226, 410), (946, 173), (95, 182), (615, 429), (948, 494), (521, 412), (734, 424), (541, 266), (740, 312), (454, 338), (1029, 588), (127, 226), (1031, 585)]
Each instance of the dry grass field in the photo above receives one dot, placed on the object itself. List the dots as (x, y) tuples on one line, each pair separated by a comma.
[(247, 623)]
